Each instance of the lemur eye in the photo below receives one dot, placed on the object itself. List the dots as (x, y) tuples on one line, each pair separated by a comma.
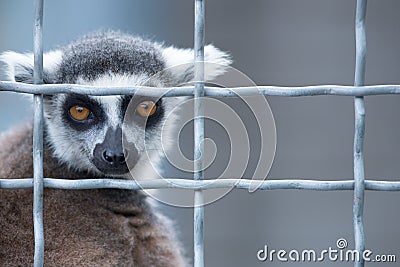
[(79, 113), (146, 108)]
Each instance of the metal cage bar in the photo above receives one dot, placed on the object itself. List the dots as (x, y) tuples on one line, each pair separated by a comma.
[(296, 91), (359, 124), (358, 184), (198, 210), (270, 184), (38, 137)]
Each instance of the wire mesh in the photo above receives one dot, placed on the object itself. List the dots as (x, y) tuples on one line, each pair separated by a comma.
[(358, 184)]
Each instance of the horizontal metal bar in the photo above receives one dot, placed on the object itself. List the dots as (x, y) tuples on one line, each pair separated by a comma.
[(300, 184), (339, 90)]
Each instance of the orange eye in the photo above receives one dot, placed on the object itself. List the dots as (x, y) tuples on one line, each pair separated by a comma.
[(79, 113), (146, 108)]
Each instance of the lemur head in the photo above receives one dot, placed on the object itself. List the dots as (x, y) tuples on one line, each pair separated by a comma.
[(85, 132)]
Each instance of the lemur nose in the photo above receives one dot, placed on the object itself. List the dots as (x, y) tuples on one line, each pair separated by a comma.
[(113, 158)]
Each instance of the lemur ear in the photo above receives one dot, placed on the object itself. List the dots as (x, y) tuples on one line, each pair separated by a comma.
[(19, 67), (180, 63)]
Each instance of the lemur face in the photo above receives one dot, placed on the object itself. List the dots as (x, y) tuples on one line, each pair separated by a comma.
[(87, 132)]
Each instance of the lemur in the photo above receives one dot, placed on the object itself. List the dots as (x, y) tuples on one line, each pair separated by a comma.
[(83, 139)]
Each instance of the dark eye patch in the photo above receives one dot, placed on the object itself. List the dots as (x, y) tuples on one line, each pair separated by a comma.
[(136, 100), (96, 117)]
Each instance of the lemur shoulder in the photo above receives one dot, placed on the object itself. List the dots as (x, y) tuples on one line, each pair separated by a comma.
[(83, 139)]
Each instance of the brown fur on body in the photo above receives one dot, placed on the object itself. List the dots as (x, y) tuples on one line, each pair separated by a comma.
[(104, 227)]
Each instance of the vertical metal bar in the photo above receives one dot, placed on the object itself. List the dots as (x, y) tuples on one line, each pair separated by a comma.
[(38, 137), (359, 113), (198, 131)]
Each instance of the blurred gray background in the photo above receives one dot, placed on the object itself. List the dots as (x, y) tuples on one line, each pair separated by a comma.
[(274, 42)]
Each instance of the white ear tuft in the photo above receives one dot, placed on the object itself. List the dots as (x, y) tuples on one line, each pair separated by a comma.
[(20, 66), (180, 63)]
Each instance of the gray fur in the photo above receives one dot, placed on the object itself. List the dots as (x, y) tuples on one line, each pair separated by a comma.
[(103, 52)]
